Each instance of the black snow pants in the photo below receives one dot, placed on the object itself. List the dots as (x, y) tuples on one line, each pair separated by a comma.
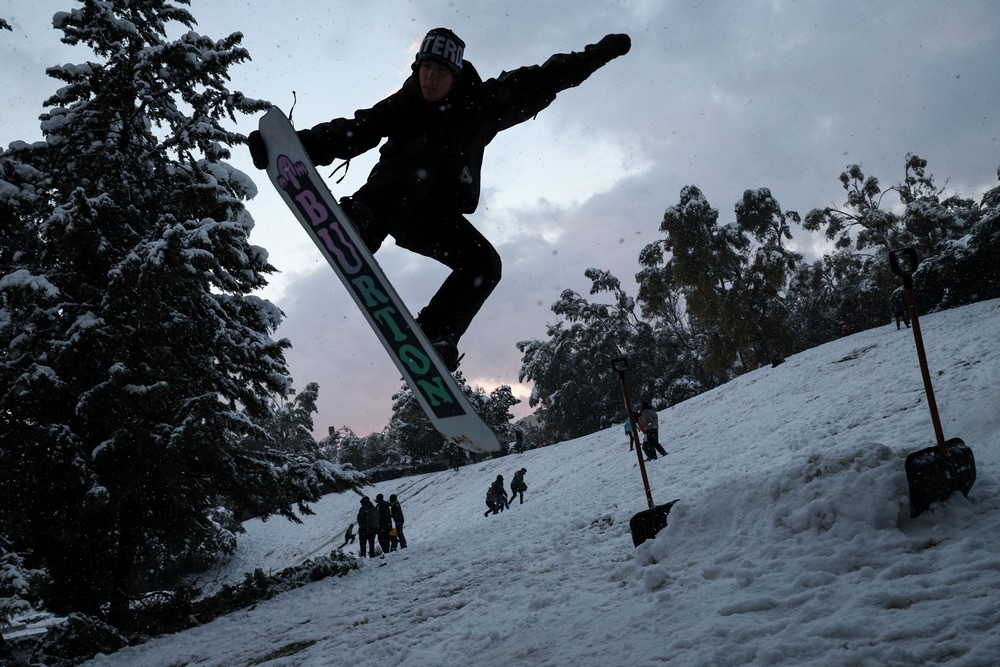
[(410, 199)]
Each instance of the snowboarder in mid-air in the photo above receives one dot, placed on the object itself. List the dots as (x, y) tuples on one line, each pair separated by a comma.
[(437, 127)]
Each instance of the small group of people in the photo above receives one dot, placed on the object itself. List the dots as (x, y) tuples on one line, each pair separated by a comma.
[(496, 496), (382, 521)]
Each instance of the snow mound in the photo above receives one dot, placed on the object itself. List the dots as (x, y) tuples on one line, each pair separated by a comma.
[(813, 551)]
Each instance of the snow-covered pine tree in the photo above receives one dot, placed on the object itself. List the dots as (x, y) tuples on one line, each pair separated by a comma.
[(133, 358), (288, 427)]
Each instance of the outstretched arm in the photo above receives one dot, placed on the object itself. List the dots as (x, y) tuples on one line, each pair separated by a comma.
[(571, 69), (528, 90), (340, 138)]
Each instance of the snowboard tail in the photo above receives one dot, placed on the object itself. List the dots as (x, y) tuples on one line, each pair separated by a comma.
[(303, 190)]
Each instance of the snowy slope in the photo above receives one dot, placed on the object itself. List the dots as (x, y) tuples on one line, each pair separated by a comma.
[(791, 543)]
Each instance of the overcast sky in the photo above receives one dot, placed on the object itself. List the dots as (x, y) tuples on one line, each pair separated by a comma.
[(723, 95)]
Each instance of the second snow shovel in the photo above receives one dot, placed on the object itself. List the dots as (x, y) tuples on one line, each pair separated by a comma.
[(934, 473)]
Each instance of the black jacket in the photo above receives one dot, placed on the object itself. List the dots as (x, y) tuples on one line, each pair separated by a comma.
[(499, 492), (384, 515), (463, 123), (367, 518), (517, 484), (397, 512)]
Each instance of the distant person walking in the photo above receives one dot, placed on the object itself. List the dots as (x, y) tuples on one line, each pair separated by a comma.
[(367, 526), (899, 309), (396, 510), (518, 487), (456, 457), (649, 422)]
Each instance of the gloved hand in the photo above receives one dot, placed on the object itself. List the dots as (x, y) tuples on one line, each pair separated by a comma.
[(615, 45), (311, 143), (258, 151)]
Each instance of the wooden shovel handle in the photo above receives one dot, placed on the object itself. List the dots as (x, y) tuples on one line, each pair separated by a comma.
[(915, 324), (620, 364)]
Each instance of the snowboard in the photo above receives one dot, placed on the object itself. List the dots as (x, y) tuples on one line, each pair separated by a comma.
[(303, 190)]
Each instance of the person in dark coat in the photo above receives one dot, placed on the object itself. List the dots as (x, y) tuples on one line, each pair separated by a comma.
[(496, 497), (367, 526), (456, 457), (490, 504), (518, 441), (384, 522), (899, 309), (517, 486), (396, 510), (437, 127)]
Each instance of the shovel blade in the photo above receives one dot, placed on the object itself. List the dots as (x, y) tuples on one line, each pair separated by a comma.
[(647, 523), (933, 477)]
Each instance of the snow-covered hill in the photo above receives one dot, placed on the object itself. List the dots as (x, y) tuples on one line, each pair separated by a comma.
[(791, 544)]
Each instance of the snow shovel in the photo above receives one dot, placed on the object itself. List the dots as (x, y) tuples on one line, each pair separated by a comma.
[(647, 523), (934, 473)]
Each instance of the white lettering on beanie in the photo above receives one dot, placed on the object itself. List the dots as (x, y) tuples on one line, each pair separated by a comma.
[(443, 46)]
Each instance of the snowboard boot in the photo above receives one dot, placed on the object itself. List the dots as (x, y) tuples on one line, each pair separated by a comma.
[(447, 349), (364, 222)]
